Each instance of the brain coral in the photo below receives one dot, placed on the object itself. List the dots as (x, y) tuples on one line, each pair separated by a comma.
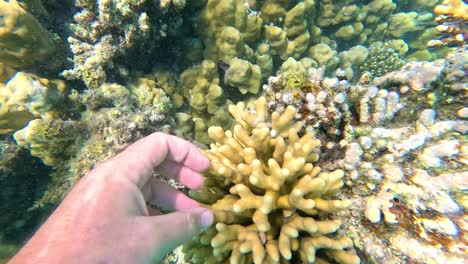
[(271, 203)]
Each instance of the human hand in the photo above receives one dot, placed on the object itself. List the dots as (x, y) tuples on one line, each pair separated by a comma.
[(105, 219)]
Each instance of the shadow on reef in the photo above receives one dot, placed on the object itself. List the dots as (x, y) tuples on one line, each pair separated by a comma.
[(23, 179)]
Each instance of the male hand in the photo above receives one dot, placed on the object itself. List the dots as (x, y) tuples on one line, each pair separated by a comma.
[(105, 218)]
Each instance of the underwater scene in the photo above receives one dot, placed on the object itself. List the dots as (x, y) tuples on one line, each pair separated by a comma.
[(336, 129)]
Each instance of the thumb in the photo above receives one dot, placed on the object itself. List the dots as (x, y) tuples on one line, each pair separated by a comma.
[(176, 228)]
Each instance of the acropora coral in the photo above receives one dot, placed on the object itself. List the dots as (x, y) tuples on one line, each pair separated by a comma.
[(271, 202)]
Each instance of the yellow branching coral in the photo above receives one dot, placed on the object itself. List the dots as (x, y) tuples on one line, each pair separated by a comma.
[(452, 17), (270, 200), (454, 8)]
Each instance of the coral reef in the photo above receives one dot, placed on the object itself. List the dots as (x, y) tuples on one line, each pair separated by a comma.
[(207, 100), (271, 202), (107, 30), (381, 59), (453, 21), (115, 116), (409, 169), (252, 37), (26, 96), (389, 139), (402, 149), (336, 34), (23, 180), (22, 38)]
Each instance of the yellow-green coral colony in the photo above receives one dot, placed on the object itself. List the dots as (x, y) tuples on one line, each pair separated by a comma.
[(381, 59), (271, 202), (25, 97), (347, 150), (23, 40), (114, 116)]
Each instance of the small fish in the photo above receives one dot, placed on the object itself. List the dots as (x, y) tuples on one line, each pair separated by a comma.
[(222, 70)]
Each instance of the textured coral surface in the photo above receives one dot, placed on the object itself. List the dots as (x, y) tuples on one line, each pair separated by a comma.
[(351, 153), (271, 203)]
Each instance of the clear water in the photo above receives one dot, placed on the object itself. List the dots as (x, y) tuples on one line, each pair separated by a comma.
[(382, 84)]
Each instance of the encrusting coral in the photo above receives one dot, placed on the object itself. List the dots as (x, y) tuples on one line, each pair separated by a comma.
[(271, 203), (25, 97), (22, 38)]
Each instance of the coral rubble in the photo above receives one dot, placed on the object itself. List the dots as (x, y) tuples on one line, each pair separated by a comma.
[(409, 171)]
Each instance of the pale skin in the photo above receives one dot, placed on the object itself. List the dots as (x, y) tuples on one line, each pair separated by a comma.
[(105, 218)]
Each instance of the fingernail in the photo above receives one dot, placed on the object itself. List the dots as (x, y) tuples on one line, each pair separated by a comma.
[(206, 219)]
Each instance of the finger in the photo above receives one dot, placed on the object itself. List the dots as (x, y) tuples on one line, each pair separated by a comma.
[(138, 161), (188, 177), (183, 152), (176, 228), (161, 194)]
